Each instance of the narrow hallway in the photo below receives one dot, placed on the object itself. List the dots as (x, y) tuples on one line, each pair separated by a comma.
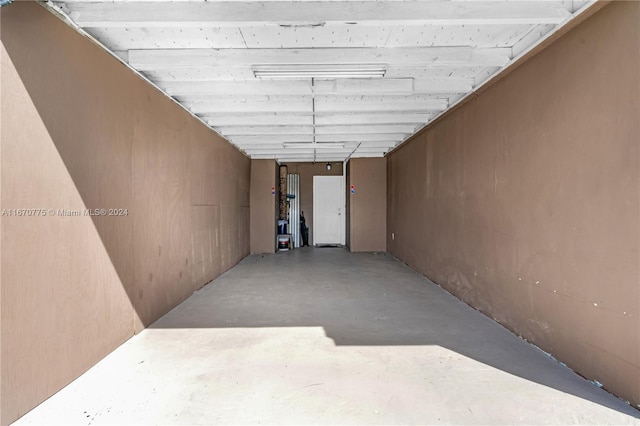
[(324, 336)]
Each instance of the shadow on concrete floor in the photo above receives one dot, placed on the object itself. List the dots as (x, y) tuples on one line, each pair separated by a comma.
[(366, 299)]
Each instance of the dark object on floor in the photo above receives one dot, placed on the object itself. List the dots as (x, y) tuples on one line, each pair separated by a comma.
[(304, 230)]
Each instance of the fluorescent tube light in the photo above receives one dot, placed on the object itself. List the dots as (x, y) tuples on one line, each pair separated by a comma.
[(299, 71)]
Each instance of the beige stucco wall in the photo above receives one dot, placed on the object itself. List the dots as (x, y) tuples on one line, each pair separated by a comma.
[(524, 202), (80, 130)]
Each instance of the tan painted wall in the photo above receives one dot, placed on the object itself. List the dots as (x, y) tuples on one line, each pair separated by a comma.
[(79, 130), (368, 205), (525, 201), (307, 171), (263, 206)]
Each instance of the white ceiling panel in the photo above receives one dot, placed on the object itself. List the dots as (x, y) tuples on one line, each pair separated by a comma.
[(384, 35), (251, 105), (467, 35), (379, 103), (265, 130), (312, 13), (269, 139), (266, 119), (363, 75), (153, 59), (373, 118), (368, 137), (127, 38), (365, 129), (262, 37), (200, 74), (206, 73)]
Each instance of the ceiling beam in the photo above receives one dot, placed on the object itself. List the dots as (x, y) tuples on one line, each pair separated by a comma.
[(312, 13), (265, 130), (387, 118), (362, 150), (204, 105), (363, 86), (292, 152), (377, 144), (391, 86), (156, 59), (349, 129), (229, 88), (238, 106), (276, 139), (362, 137), (267, 119), (271, 139), (228, 74), (321, 119), (381, 104), (347, 145), (442, 85), (301, 158), (358, 154), (317, 155)]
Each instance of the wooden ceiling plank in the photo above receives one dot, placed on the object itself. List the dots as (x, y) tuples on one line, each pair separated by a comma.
[(423, 106), (390, 128), (223, 88), (167, 59), (252, 106), (272, 119), (361, 137), (388, 118), (273, 13), (265, 130), (322, 87)]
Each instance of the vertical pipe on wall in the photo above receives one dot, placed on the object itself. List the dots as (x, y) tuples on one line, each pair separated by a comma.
[(293, 188)]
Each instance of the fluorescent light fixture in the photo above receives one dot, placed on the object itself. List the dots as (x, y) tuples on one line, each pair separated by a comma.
[(299, 71), (324, 145)]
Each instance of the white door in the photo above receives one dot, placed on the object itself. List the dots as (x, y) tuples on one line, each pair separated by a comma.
[(328, 210)]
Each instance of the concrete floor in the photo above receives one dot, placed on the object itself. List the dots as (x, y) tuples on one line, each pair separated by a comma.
[(322, 336)]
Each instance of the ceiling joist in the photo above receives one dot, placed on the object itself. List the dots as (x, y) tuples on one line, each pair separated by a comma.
[(327, 104), (380, 118), (319, 130), (225, 61), (389, 86), (312, 13), (243, 140), (275, 119), (157, 59)]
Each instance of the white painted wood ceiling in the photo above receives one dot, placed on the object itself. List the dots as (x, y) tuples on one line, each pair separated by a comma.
[(206, 55)]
